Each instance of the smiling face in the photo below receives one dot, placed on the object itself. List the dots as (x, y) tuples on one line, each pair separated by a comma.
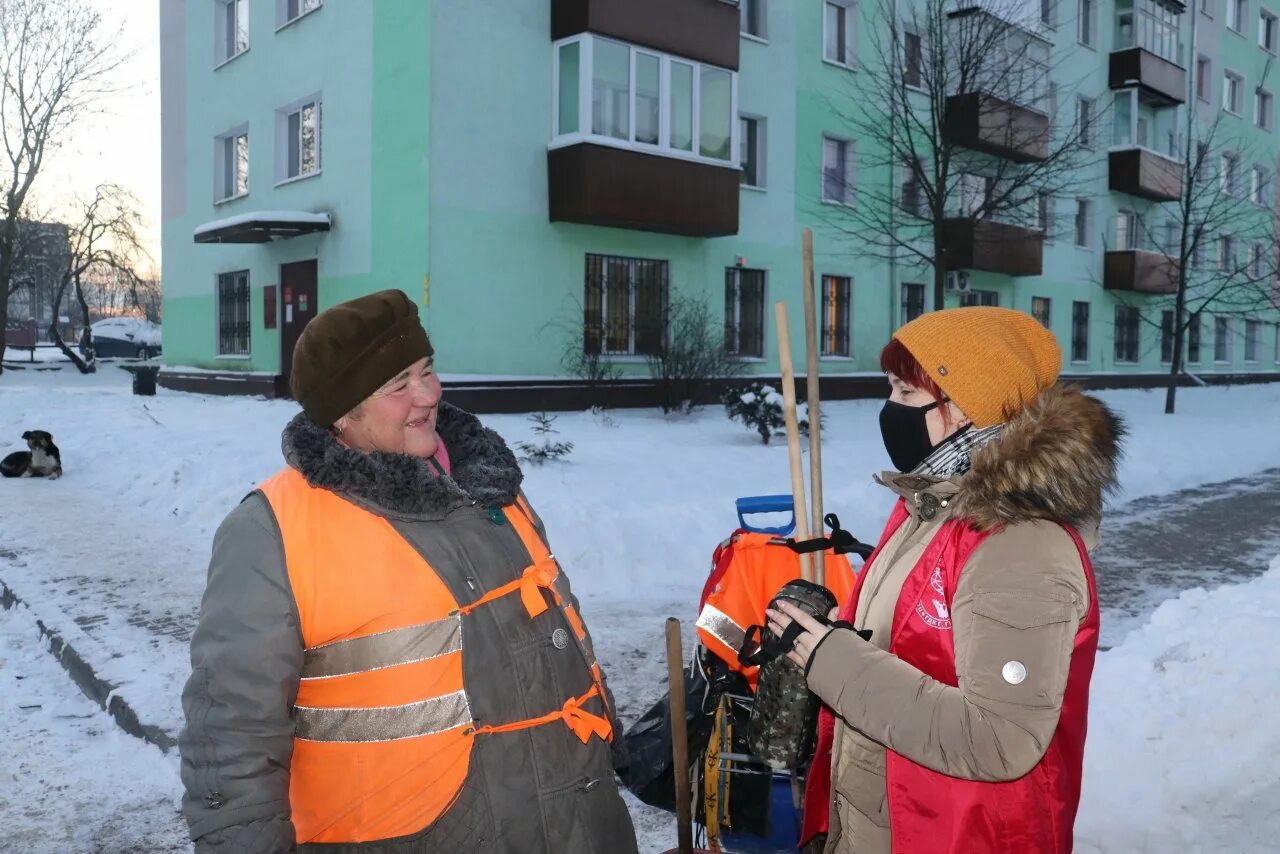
[(399, 418), (943, 421)]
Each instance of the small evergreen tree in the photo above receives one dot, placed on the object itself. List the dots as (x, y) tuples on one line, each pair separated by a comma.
[(759, 406), (546, 450)]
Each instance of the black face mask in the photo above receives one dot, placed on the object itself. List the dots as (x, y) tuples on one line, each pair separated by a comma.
[(905, 433)]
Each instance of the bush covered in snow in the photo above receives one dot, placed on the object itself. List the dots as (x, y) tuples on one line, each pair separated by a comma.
[(759, 407)]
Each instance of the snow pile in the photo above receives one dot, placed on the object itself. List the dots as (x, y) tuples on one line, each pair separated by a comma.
[(135, 329), (1183, 738)]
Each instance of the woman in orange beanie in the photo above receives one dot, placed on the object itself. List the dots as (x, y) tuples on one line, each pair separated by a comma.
[(960, 725)]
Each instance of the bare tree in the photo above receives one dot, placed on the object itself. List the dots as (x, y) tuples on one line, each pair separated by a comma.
[(958, 142), (691, 355), (104, 243), (1212, 250), (56, 61)]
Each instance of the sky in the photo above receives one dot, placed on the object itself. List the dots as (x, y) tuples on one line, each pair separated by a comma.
[(121, 143)]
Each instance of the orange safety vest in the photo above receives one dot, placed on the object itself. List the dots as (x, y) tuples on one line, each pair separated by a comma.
[(383, 729), (748, 570)]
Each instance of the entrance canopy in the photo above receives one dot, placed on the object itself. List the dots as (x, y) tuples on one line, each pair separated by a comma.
[(262, 227)]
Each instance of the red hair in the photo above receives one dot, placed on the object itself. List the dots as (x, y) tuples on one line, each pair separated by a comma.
[(896, 359)]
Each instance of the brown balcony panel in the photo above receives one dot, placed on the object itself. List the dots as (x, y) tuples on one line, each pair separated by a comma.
[(1145, 174), (1159, 80), (1140, 272), (997, 127), (995, 247), (705, 30), (600, 185)]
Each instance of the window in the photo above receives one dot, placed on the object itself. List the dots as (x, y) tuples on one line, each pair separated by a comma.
[(1080, 332), (1193, 338), (233, 313), (1084, 222), (912, 301), (1222, 339), (970, 298), (837, 170), (625, 305), (1257, 255), (1229, 173), (232, 167), (1047, 9), (1262, 108), (753, 17), (1208, 7), (1226, 253), (1088, 21), (638, 98), (1151, 25), (288, 11), (1252, 339), (1267, 30), (1237, 11), (1127, 333), (1197, 250), (1259, 184), (974, 190), (1084, 121), (1278, 343), (839, 32), (751, 151), (744, 300), (1166, 336), (1044, 214), (836, 293), (912, 59), (299, 140), (1040, 310), (231, 27), (1233, 93), (912, 192), (1204, 71), (1126, 232)]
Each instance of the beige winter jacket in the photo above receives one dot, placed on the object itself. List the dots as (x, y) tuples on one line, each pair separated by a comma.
[(1051, 463)]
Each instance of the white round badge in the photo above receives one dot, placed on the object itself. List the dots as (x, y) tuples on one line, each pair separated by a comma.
[(1014, 672)]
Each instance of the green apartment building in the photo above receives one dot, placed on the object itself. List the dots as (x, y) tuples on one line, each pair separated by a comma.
[(549, 174)]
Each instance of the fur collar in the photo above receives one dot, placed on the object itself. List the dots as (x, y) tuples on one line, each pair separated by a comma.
[(484, 470), (1054, 460)]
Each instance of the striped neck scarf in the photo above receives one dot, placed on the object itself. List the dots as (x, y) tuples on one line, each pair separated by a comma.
[(955, 455)]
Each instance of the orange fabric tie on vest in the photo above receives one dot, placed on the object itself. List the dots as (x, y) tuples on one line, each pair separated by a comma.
[(538, 576), (584, 724)]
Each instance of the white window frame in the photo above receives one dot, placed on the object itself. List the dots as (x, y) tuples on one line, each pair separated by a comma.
[(1206, 8), (1088, 323), (761, 8), (824, 352), (221, 50), (1252, 325), (1229, 75), (761, 125), (1228, 342), (736, 274), (1204, 81), (1088, 135), (1257, 254), (282, 12), (282, 139), (1088, 224), (1087, 16), (1259, 184), (1268, 23), (220, 164), (1229, 173), (1237, 11), (1264, 109), (1137, 332), (1277, 353), (850, 60), (851, 170), (1045, 215), (586, 63)]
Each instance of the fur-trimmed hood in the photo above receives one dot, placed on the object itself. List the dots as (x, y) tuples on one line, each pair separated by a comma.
[(483, 469), (1054, 460)]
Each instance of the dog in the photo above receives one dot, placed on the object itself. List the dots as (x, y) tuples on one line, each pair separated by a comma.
[(43, 460)]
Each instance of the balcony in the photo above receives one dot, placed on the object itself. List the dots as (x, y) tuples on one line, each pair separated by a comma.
[(996, 247), (992, 125), (705, 30), (1143, 173), (1140, 271), (1160, 81), (615, 187)]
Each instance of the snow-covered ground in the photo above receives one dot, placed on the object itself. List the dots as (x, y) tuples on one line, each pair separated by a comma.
[(114, 553)]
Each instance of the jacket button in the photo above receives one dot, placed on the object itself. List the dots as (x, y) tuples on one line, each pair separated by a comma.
[(560, 639), (1014, 672)]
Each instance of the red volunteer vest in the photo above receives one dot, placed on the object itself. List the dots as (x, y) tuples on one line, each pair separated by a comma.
[(930, 811)]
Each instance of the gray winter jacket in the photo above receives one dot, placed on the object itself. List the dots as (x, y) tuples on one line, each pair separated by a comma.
[(533, 791)]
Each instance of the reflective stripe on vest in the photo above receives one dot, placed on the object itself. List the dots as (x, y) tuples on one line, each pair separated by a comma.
[(722, 627), (383, 727)]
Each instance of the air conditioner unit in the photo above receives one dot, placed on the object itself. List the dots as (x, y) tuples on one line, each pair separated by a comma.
[(958, 281)]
